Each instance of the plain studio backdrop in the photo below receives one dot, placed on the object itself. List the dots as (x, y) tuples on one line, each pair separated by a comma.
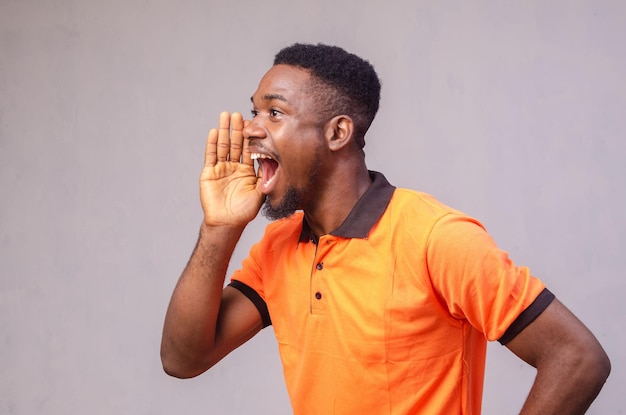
[(514, 112)]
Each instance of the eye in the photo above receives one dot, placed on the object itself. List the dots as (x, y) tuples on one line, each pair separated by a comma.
[(254, 113), (274, 113)]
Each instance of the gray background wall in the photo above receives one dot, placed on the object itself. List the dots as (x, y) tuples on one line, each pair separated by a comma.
[(514, 112)]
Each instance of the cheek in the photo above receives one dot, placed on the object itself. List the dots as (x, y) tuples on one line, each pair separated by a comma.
[(300, 152)]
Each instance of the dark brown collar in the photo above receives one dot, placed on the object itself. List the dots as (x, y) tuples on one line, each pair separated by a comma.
[(369, 208)]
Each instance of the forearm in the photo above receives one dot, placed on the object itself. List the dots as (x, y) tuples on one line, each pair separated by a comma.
[(190, 322)]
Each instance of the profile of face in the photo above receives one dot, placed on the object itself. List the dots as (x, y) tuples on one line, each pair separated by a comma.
[(287, 140)]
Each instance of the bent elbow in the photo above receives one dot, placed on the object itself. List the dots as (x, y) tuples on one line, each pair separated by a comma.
[(173, 369), (180, 367), (176, 371), (594, 368), (602, 365)]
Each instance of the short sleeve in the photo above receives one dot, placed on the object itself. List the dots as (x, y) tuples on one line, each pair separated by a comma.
[(248, 280), (476, 280), (250, 272)]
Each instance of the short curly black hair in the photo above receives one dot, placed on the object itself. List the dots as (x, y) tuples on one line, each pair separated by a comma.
[(347, 84)]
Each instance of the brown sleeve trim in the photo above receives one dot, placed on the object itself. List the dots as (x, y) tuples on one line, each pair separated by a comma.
[(527, 316), (256, 299)]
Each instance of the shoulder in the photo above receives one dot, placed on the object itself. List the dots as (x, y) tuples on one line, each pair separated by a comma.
[(421, 201), (416, 206), (414, 219)]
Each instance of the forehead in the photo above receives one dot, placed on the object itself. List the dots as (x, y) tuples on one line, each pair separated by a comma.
[(288, 82)]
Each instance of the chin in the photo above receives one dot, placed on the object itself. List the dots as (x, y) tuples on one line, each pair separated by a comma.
[(287, 206)]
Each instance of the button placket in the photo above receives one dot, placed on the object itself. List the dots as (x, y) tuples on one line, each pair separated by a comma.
[(318, 283), (316, 287)]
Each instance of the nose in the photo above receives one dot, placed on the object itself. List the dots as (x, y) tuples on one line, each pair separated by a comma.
[(254, 129)]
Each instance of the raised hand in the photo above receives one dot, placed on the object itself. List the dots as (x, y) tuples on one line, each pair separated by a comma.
[(229, 189)]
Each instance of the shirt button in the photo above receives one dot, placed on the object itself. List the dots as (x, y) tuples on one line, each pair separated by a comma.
[(318, 295), (320, 266)]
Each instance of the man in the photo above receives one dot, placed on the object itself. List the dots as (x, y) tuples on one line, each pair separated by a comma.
[(381, 298)]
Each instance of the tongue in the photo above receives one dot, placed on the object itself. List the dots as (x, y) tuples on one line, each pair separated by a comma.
[(268, 167)]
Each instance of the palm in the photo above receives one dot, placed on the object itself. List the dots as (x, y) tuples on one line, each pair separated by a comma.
[(228, 183), (229, 193)]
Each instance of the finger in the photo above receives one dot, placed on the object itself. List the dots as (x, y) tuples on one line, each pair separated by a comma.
[(210, 155), (223, 137), (247, 159), (236, 136), (247, 156)]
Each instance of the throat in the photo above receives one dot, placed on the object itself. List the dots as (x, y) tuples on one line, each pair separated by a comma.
[(327, 211)]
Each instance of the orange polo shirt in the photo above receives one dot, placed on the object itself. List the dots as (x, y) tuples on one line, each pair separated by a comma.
[(390, 313)]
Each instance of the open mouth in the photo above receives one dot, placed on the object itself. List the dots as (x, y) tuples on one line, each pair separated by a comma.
[(268, 167)]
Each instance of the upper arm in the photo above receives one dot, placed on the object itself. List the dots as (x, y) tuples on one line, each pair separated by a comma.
[(571, 364), (237, 322), (555, 333)]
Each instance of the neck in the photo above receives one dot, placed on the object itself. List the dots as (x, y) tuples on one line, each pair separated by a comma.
[(340, 191)]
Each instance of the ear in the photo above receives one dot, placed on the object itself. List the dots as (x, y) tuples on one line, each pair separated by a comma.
[(339, 132)]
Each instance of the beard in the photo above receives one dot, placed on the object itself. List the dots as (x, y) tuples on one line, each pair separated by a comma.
[(292, 200), (287, 207)]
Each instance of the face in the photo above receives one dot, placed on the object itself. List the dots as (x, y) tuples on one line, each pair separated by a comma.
[(286, 138)]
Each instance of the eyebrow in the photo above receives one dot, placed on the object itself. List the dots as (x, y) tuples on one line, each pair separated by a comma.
[(269, 97)]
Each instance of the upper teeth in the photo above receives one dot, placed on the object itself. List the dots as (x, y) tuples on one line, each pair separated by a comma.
[(255, 156)]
